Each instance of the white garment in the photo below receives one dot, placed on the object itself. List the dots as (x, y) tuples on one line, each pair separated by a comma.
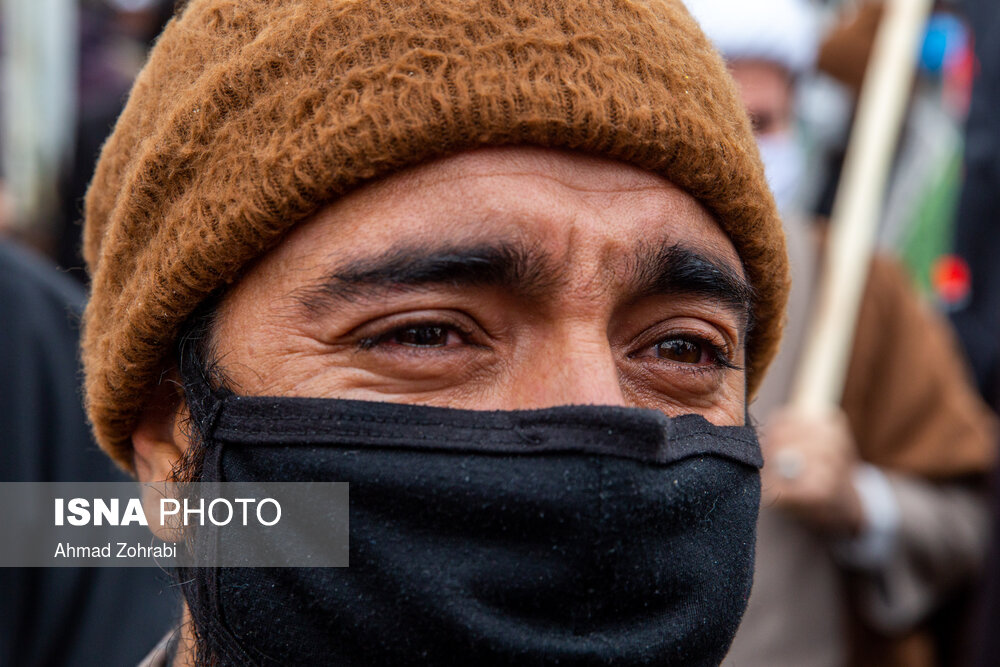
[(785, 32), (784, 165)]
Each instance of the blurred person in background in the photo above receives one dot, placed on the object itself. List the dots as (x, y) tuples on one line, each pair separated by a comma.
[(986, 642), (873, 516), (60, 617), (977, 242), (74, 616), (921, 198), (977, 235), (114, 38)]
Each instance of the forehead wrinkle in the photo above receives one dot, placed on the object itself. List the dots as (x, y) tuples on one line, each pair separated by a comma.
[(549, 165)]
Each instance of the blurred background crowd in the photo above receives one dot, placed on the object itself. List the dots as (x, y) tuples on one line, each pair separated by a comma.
[(899, 569)]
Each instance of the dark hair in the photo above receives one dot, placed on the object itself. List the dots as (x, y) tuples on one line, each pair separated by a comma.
[(195, 359)]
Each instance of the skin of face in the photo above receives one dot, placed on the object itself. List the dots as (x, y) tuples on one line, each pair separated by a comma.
[(767, 92), (499, 279)]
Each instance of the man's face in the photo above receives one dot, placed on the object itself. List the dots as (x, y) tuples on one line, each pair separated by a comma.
[(499, 279), (766, 91)]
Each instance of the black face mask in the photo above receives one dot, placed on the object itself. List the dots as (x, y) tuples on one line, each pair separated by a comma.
[(564, 536)]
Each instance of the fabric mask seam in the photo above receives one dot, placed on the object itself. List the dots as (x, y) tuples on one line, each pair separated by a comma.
[(472, 415), (624, 430), (220, 433), (424, 438)]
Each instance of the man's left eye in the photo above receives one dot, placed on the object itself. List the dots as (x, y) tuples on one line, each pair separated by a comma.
[(689, 350), (681, 350)]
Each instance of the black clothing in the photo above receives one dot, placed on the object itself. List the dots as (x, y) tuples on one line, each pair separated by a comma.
[(977, 235), (61, 616)]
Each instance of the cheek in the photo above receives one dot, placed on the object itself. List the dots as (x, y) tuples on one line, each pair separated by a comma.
[(733, 407), (255, 313), (726, 406), (260, 356)]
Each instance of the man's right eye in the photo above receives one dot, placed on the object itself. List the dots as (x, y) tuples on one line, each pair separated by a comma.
[(422, 336), (682, 351)]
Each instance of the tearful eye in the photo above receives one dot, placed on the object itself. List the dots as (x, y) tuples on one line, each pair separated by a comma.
[(422, 336), (689, 350), (681, 350)]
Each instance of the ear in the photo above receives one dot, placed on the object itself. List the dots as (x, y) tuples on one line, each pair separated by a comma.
[(158, 443)]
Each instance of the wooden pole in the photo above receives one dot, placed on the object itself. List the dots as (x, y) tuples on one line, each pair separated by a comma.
[(858, 205)]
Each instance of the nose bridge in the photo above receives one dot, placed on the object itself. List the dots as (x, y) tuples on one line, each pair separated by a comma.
[(574, 367)]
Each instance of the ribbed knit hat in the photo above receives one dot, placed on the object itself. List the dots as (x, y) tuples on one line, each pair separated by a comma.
[(251, 114)]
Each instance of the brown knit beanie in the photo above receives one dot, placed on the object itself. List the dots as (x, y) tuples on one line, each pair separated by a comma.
[(251, 114)]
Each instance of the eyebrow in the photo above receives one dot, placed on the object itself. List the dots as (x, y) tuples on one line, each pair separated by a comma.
[(524, 270), (678, 269), (516, 267)]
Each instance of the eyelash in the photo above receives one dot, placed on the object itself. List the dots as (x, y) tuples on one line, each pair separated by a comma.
[(720, 358), (719, 355), (370, 342)]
